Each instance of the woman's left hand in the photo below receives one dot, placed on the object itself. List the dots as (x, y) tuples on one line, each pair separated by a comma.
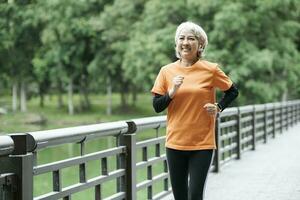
[(211, 109)]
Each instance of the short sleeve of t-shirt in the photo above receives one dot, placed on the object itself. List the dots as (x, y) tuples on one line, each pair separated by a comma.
[(160, 84), (221, 80)]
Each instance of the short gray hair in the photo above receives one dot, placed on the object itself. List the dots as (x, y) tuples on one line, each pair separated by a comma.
[(197, 31)]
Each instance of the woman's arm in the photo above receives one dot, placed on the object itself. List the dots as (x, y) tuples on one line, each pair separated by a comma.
[(161, 102), (228, 97)]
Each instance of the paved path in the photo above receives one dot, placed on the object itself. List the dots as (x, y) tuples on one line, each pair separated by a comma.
[(272, 172)]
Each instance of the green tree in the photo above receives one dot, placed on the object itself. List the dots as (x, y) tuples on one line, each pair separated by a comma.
[(20, 40), (68, 37), (116, 24), (151, 42)]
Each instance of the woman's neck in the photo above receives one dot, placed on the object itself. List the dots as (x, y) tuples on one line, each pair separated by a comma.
[(188, 62)]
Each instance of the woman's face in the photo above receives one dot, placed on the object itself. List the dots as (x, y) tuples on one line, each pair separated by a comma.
[(187, 45)]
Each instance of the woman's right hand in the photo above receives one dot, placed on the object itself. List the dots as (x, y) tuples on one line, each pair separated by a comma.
[(177, 82)]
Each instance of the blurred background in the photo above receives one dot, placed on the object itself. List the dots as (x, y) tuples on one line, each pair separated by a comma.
[(74, 62)]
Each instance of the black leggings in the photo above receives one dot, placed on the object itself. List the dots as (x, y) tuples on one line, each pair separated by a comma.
[(193, 164)]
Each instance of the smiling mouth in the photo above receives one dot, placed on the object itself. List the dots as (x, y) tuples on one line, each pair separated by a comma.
[(185, 49)]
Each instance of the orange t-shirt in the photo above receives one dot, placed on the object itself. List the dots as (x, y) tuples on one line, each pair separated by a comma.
[(189, 126)]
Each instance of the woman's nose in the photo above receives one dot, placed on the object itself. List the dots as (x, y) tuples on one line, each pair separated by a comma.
[(185, 41)]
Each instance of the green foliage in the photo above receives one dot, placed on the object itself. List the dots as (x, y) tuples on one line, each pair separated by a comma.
[(49, 43)]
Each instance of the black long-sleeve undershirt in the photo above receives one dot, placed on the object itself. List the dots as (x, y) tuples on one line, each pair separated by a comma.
[(161, 102), (228, 97)]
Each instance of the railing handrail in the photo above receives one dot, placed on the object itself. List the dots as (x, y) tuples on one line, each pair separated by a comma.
[(6, 145), (150, 122), (47, 138), (54, 137)]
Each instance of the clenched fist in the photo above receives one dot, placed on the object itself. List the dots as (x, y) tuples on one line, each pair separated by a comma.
[(211, 109), (177, 82)]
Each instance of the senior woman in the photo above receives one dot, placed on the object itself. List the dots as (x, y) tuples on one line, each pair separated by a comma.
[(186, 88)]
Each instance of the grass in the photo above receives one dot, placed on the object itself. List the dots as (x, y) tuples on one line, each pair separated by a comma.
[(59, 117)]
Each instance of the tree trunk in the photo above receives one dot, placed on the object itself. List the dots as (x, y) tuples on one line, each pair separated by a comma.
[(41, 93), (15, 96), (23, 97), (84, 98), (70, 98), (109, 96), (124, 95), (134, 95), (42, 100), (284, 96), (60, 102)]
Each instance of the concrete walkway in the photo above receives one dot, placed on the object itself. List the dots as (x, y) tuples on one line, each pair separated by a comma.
[(272, 172)]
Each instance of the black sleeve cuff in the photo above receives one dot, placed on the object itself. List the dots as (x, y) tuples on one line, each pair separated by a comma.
[(228, 97), (161, 102)]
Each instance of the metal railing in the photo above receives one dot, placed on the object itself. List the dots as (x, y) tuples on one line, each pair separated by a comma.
[(238, 130)]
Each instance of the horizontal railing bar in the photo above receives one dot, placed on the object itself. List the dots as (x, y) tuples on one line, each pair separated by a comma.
[(229, 112), (246, 109), (260, 133), (259, 125), (227, 159), (147, 183), (228, 123), (259, 107), (228, 147), (54, 137), (150, 122), (246, 129), (117, 196), (260, 116), (5, 176), (162, 194), (269, 106), (247, 139), (81, 186), (228, 135), (248, 148), (6, 145), (49, 167), (150, 161), (246, 119), (150, 142)]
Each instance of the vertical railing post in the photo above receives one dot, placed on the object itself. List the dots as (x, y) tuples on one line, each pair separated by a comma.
[(129, 141), (265, 123), (293, 114), (253, 128), (290, 106), (281, 117), (286, 115), (21, 163), (298, 111), (239, 134), (288, 112), (217, 153), (274, 120)]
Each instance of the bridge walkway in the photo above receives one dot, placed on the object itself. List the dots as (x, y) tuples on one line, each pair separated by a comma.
[(272, 172)]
